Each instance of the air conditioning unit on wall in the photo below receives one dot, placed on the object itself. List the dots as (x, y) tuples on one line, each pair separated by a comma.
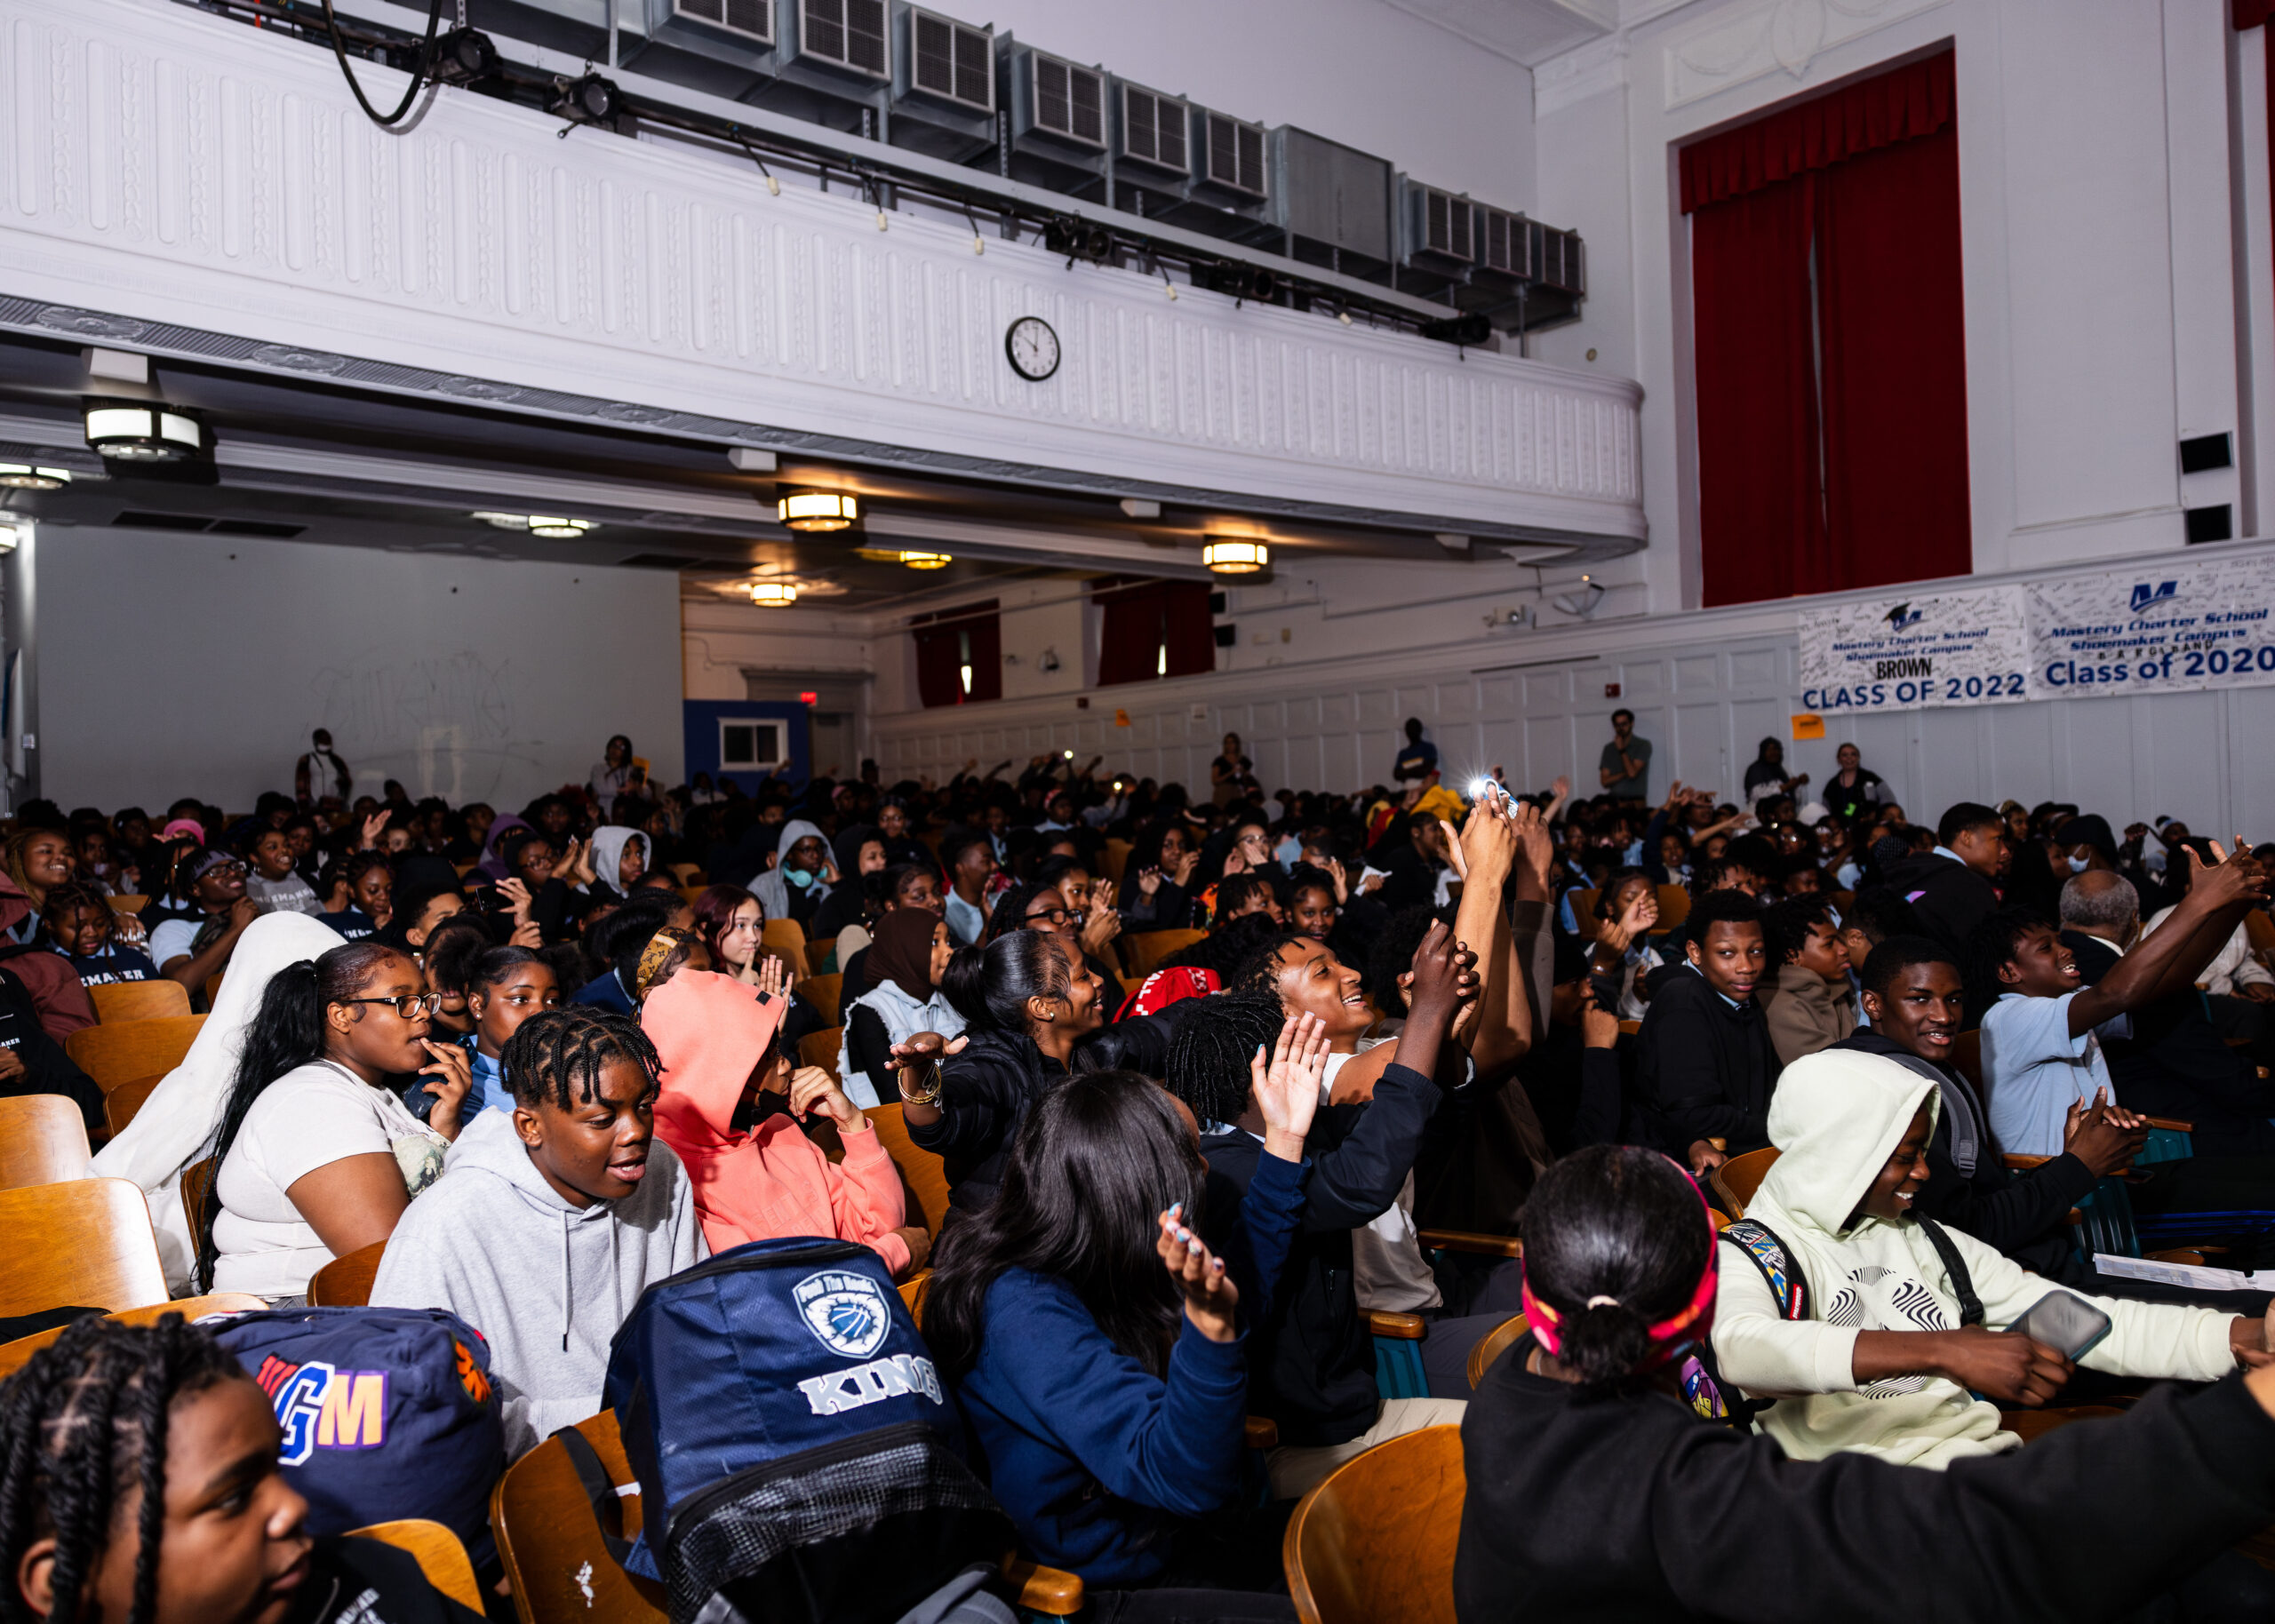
[(848, 35), (1439, 229), (1231, 157), (725, 47), (1058, 118), (943, 86)]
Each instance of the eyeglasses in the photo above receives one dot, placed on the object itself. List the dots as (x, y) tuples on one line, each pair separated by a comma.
[(1057, 916), (409, 1006)]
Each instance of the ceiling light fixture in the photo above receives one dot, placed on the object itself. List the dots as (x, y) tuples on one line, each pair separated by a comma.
[(926, 560), (25, 476), (818, 510), (552, 527), (1228, 557), (773, 594), (143, 430)]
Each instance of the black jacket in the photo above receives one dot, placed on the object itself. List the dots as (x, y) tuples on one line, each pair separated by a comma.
[(355, 1581), (1703, 1069), (1950, 898), (2177, 1064), (1632, 1508), (1580, 1094), (983, 1097), (1312, 1363), (47, 1069), (2019, 1213)]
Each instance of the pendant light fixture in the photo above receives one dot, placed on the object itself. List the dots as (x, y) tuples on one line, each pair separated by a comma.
[(818, 510), (773, 594), (926, 560), (27, 476), (145, 431), (1225, 555), (552, 527)]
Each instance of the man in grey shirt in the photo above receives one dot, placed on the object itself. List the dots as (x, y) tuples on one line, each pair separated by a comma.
[(1624, 767)]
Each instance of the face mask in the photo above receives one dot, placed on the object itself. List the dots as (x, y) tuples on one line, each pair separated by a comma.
[(800, 878), (2077, 866)]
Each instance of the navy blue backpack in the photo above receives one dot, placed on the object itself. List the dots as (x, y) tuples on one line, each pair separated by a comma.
[(798, 1457)]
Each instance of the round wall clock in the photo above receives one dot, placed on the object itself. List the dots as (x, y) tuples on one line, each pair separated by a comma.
[(1033, 348)]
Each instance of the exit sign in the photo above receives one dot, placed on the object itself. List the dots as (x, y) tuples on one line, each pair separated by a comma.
[(810, 698)]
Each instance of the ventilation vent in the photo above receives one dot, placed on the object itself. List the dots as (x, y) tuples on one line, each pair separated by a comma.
[(1154, 130), (161, 521), (666, 561), (1235, 155), (256, 527), (1069, 101), (1561, 262), (850, 33), (952, 61), (752, 20), (1507, 247), (1446, 225)]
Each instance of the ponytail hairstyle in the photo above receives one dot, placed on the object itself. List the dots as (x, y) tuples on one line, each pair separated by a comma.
[(959, 984), (1096, 1162), (453, 948), (287, 1033), (1016, 966), (1617, 1246), (83, 1423)]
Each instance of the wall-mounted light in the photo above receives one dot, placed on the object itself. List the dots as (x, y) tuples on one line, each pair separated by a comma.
[(25, 476), (818, 510), (143, 430), (553, 527), (1231, 557), (926, 560), (1582, 604), (773, 594)]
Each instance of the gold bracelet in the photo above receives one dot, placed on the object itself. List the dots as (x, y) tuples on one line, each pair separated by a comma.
[(925, 1092)]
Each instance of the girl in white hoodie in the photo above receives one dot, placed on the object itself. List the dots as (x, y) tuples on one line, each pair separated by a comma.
[(1879, 1363)]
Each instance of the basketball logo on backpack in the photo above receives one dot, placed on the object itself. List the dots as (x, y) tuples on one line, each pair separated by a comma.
[(845, 1311)]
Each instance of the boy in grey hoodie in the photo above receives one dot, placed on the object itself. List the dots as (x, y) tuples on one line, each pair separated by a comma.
[(551, 1219)]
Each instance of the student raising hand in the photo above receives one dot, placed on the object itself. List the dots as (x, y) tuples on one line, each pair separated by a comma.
[(1286, 1089), (1209, 1291)]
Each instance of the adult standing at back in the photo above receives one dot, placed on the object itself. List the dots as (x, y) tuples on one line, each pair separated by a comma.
[(1419, 758), (1624, 767), (617, 774), (1853, 787), (321, 773)]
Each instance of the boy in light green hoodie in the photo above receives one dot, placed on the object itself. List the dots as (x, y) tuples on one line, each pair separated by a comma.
[(1879, 1363)]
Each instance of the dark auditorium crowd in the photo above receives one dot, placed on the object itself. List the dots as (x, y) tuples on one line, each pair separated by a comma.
[(1730, 1164)]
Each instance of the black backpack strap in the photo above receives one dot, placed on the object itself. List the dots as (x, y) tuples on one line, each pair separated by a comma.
[(598, 1489), (1780, 1270), (1970, 1306)]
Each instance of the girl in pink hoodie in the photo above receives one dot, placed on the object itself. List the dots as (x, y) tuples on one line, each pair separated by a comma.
[(716, 1040)]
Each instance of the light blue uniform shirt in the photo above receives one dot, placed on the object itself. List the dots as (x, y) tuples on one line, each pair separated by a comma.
[(2034, 1071)]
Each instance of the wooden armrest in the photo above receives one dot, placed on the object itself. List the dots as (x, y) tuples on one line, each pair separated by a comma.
[(1465, 1240), (1263, 1432), (1405, 1327), (1720, 1143), (1041, 1589), (2192, 1255), (2023, 1164), (2169, 1126), (2073, 1216)]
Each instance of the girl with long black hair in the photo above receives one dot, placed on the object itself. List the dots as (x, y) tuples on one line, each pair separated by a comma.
[(1096, 1346), (316, 1155)]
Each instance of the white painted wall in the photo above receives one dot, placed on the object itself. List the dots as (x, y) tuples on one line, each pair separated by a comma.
[(174, 665)]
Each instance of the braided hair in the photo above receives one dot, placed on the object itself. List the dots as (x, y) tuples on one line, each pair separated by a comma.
[(555, 1050), (82, 1421), (1209, 1054)]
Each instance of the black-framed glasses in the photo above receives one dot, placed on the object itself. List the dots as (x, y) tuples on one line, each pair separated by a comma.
[(409, 1006), (1056, 916)]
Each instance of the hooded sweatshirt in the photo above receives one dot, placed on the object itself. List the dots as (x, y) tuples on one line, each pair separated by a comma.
[(772, 1180), (57, 992), (772, 889), (1837, 1118), (545, 1283), (609, 841)]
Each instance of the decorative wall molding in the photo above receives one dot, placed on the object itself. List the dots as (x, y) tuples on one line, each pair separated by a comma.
[(1741, 44), (168, 166), (1590, 70)]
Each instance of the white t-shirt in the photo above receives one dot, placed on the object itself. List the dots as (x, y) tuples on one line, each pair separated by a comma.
[(1388, 1270), (307, 1118), (173, 939)]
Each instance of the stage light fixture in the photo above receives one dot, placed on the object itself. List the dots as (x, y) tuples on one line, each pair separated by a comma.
[(589, 101)]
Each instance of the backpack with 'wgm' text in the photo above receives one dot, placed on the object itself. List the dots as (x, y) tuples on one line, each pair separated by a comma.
[(798, 1458)]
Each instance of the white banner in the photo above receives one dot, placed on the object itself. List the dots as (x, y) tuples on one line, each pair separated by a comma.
[(2156, 628), (1901, 653)]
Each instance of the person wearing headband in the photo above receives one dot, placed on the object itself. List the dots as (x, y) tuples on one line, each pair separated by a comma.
[(1594, 1491), (668, 951)]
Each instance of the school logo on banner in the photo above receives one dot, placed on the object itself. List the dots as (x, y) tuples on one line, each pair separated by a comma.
[(321, 1407), (845, 1311)]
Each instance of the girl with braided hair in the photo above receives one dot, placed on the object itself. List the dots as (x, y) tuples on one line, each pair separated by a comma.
[(139, 1483), (578, 1208)]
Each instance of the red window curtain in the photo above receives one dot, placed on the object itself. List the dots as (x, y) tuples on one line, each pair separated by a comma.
[(2256, 14), (1831, 342), (947, 642), (1149, 629)]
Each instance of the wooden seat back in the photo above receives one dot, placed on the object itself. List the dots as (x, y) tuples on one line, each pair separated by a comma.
[(42, 1140), (129, 903), (1583, 912), (1374, 1542), (821, 1049), (121, 1103), (197, 1182), (139, 1000), (785, 939), (85, 1244), (437, 1551), (1736, 1179), (924, 1175), (1492, 1345), (213, 987), (1115, 860), (825, 991), (1148, 948), (345, 1282), (1674, 906), (1967, 1054), (553, 1552), (15, 1356), (119, 1051)]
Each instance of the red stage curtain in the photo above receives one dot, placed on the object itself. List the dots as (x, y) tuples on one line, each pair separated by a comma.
[(1899, 105), (2253, 13), (1141, 619), (1761, 503), (941, 642), (1891, 324)]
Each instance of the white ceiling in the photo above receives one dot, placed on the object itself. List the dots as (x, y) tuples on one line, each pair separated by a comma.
[(1526, 31)]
